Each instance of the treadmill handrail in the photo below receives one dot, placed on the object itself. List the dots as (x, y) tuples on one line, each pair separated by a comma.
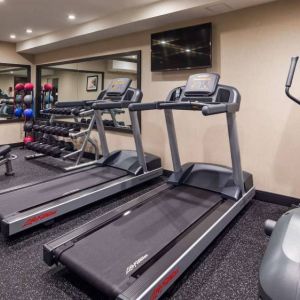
[(110, 105), (206, 108), (290, 78), (142, 106)]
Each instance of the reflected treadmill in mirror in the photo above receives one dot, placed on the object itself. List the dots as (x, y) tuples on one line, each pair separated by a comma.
[(85, 80)]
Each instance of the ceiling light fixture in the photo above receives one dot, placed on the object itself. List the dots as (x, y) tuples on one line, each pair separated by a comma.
[(163, 42), (187, 50), (71, 17), (11, 72), (29, 30), (12, 36)]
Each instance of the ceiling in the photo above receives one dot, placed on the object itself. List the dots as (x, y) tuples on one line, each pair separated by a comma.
[(44, 16), (97, 19)]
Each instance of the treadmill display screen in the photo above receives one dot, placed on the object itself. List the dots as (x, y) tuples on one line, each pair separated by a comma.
[(118, 86), (205, 84)]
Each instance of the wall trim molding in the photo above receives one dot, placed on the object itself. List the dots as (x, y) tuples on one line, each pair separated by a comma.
[(16, 145), (276, 198)]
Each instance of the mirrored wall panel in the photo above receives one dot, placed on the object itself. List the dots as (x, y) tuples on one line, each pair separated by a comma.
[(85, 79), (10, 76)]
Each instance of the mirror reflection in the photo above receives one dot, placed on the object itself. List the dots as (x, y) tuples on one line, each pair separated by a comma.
[(10, 76), (85, 80)]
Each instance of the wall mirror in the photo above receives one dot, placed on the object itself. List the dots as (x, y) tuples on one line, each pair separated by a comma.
[(10, 76), (84, 79)]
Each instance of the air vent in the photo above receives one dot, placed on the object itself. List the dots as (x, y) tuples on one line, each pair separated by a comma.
[(219, 8)]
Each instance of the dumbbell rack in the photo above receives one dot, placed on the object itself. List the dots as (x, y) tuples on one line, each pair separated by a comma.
[(78, 154)]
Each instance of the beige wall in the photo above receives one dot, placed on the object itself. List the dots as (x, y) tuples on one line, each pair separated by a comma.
[(6, 81), (252, 48), (13, 132)]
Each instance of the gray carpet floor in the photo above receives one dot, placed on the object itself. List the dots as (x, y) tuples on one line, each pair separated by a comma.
[(228, 269)]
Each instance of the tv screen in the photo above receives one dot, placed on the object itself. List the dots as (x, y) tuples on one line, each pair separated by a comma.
[(183, 48)]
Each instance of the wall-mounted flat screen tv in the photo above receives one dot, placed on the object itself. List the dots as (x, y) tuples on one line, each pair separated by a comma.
[(184, 48)]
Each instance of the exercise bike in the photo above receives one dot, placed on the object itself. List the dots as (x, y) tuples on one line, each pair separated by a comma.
[(279, 275)]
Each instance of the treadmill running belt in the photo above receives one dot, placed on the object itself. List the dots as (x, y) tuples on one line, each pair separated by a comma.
[(107, 257), (28, 197)]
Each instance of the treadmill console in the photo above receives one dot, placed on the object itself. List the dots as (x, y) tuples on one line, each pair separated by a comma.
[(201, 85), (118, 86)]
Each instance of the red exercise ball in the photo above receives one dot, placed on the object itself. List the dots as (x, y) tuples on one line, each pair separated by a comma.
[(28, 139), (48, 87), (19, 87), (28, 86)]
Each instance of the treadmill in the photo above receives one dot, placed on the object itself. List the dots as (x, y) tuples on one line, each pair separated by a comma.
[(26, 206), (138, 250)]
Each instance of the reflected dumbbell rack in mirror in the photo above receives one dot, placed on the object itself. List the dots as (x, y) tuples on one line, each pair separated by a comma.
[(84, 80)]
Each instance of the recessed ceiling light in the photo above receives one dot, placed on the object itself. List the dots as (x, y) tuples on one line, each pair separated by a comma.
[(187, 50), (12, 36), (163, 42), (11, 72), (29, 30), (71, 17)]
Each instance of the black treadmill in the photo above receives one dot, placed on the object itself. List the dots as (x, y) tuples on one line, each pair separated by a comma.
[(139, 249), (26, 206)]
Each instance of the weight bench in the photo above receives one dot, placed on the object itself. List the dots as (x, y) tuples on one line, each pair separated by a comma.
[(6, 158)]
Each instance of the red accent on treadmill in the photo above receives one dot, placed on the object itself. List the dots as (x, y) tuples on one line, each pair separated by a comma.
[(163, 284), (35, 219)]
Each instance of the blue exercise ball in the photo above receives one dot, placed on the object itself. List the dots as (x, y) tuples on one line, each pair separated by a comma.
[(28, 113), (18, 112)]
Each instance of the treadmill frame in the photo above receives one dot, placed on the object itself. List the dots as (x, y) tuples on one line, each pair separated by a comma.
[(20, 221), (23, 220), (153, 281)]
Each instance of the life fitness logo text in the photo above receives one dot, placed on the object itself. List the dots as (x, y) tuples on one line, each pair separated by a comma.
[(164, 283), (40, 217)]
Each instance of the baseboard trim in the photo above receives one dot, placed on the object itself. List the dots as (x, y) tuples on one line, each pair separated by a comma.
[(16, 145), (167, 172), (265, 196), (276, 198)]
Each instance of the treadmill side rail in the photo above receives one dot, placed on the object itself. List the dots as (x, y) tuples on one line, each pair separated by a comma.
[(21, 221)]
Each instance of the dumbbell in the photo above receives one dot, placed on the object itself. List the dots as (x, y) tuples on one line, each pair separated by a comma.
[(65, 131), (28, 126), (76, 111), (68, 111), (38, 146), (55, 111), (75, 127), (46, 147), (53, 130), (36, 127), (49, 148), (30, 145), (61, 130), (56, 151), (47, 129), (69, 146)]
